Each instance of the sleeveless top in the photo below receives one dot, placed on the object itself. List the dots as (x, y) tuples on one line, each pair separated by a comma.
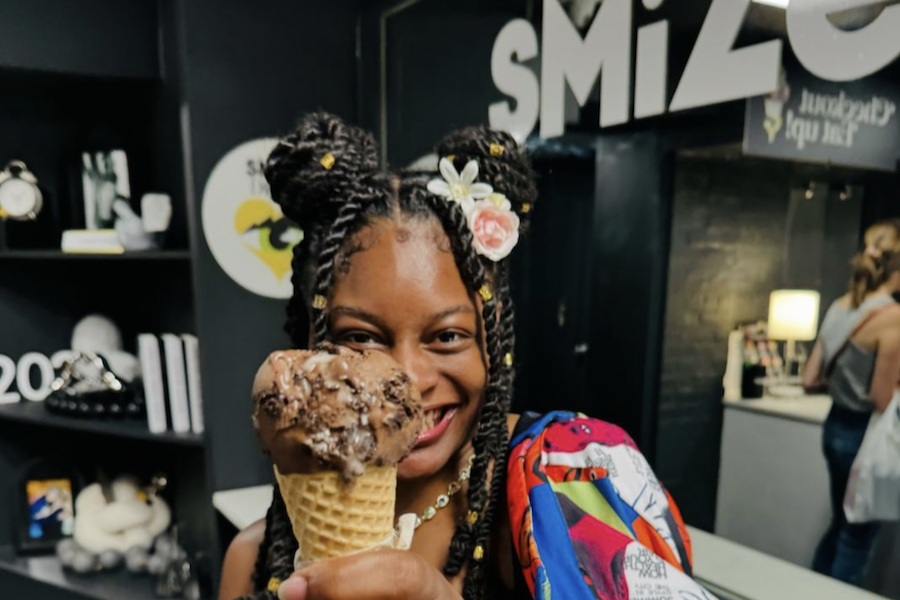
[(851, 376)]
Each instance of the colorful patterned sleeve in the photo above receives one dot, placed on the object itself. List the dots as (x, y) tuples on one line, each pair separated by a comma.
[(589, 518)]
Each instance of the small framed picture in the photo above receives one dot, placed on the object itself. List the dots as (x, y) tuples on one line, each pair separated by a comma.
[(104, 179), (46, 505)]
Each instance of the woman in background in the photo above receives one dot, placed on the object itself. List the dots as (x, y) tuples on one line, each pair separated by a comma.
[(857, 356)]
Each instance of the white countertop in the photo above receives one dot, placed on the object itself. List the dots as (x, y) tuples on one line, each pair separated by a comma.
[(810, 409), (726, 568), (734, 571), (244, 506)]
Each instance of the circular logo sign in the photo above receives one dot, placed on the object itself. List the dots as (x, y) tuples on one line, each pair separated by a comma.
[(246, 231)]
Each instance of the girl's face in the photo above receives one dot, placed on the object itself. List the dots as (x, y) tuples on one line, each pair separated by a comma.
[(400, 293)]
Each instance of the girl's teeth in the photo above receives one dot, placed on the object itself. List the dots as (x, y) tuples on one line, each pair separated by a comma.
[(431, 418)]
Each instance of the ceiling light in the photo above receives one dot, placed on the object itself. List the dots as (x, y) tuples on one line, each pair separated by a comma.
[(776, 3)]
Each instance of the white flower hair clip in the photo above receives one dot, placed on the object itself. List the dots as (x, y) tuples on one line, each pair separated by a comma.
[(459, 187), (494, 225)]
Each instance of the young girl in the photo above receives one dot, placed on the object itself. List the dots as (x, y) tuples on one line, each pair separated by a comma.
[(858, 352), (414, 265)]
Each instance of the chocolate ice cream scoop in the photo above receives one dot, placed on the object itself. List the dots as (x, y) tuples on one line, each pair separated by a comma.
[(334, 409)]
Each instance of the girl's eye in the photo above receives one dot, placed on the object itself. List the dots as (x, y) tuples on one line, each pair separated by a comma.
[(451, 339), (357, 337)]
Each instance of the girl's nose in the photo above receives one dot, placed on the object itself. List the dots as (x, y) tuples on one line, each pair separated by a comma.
[(418, 364)]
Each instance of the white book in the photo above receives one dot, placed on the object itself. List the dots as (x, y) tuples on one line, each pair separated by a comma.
[(192, 360), (177, 380), (154, 393), (88, 241)]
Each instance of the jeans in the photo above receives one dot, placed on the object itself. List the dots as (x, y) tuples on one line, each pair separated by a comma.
[(844, 550)]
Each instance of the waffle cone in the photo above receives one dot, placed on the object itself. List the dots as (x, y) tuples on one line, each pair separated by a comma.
[(332, 518)]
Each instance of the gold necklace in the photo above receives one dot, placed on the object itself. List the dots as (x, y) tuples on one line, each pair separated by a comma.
[(444, 499)]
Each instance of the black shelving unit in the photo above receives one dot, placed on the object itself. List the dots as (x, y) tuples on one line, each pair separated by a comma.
[(166, 82), (34, 413), (45, 574), (60, 255), (60, 95)]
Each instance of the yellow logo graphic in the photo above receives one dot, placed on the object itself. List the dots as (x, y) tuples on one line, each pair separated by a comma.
[(267, 234), (246, 232)]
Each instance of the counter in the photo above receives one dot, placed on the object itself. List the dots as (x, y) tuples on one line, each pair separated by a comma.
[(773, 481), (773, 491), (732, 571), (805, 409)]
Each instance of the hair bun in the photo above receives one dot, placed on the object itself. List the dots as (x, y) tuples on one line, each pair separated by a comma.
[(315, 168), (501, 162)]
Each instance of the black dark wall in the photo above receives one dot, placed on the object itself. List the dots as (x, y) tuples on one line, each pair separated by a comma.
[(436, 74), (551, 284), (627, 252), (98, 38), (250, 71)]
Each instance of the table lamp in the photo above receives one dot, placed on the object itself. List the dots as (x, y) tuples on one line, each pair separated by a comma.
[(793, 317)]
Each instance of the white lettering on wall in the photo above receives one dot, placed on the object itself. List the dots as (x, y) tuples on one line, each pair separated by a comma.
[(651, 69), (837, 55), (567, 58), (715, 72), (517, 40)]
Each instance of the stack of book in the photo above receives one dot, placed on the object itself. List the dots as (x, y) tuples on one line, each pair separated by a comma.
[(171, 371)]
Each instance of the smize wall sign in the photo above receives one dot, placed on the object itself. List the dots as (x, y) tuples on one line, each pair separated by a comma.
[(716, 72), (246, 231)]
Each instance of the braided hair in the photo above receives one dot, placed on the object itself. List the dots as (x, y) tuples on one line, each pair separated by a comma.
[(871, 271), (325, 177)]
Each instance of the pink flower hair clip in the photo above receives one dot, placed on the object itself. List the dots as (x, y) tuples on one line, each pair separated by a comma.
[(494, 225)]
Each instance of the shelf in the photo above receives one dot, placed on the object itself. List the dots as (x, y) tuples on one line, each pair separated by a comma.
[(35, 414), (60, 255), (114, 585)]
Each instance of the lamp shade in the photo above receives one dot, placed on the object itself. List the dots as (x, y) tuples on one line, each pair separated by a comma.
[(793, 315)]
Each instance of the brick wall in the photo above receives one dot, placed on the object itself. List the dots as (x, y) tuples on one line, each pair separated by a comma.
[(726, 255)]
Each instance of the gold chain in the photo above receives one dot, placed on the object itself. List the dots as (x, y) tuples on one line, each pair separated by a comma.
[(444, 499)]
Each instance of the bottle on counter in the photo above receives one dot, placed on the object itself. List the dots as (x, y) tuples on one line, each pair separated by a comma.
[(754, 366)]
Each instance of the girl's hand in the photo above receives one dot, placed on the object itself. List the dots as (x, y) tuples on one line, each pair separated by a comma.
[(375, 575)]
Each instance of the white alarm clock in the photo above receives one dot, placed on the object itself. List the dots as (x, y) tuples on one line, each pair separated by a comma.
[(20, 198)]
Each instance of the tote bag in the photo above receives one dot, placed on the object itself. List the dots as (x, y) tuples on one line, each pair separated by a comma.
[(873, 490)]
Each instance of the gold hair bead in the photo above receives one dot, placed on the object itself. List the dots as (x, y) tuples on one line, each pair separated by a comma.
[(472, 517), (497, 150), (486, 293), (478, 553), (526, 208), (273, 584), (508, 359), (327, 161), (320, 302)]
